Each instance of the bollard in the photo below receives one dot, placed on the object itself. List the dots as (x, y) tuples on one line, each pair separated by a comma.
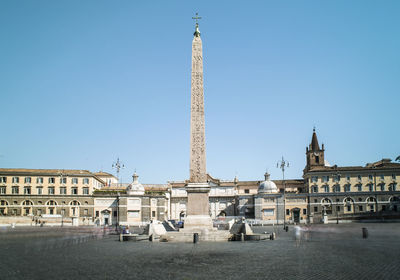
[(272, 236), (121, 238), (195, 237), (364, 232), (151, 238), (286, 228)]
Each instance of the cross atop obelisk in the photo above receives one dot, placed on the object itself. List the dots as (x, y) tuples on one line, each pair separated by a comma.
[(197, 127)]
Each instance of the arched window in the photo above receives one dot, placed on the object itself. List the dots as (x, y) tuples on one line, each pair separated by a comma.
[(348, 204), (51, 202), (74, 203), (326, 202), (27, 202), (394, 199), (371, 203), (4, 203)]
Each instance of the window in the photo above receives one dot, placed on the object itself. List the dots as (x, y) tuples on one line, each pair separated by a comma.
[(287, 212), (325, 178), (392, 187), (315, 189), (2, 190), (52, 180), (39, 180), (97, 213), (63, 190), (371, 187), (74, 191), (314, 179), (85, 212), (315, 201), (51, 190), (3, 179), (370, 177), (359, 187), (336, 188), (27, 190), (115, 213), (15, 190), (63, 180), (326, 188), (382, 187), (336, 178), (360, 208), (74, 181), (348, 207), (337, 199), (347, 188), (15, 180), (153, 214), (39, 190), (304, 211), (85, 190), (246, 191), (315, 209), (85, 181), (28, 180)]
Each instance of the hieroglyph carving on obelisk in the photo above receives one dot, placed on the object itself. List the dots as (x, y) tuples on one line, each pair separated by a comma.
[(197, 125)]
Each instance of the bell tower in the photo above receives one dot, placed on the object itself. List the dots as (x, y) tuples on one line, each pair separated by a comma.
[(315, 155)]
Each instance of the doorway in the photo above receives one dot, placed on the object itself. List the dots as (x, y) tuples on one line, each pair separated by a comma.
[(296, 215)]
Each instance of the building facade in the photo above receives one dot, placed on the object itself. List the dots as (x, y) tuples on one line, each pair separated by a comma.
[(350, 192), (324, 193)]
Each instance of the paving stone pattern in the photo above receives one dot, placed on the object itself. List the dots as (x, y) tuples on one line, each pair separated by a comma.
[(328, 252)]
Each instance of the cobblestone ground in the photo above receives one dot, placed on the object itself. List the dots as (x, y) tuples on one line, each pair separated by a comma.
[(325, 252)]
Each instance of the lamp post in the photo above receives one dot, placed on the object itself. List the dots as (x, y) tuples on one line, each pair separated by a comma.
[(118, 166), (117, 221), (282, 164)]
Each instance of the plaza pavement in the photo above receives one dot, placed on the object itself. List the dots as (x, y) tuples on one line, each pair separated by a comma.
[(330, 252)]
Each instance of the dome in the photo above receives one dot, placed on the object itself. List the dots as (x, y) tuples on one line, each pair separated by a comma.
[(267, 186), (135, 187)]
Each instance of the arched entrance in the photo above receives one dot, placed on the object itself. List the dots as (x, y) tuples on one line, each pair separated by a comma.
[(326, 204), (3, 207), (27, 208), (51, 207), (348, 205), (106, 219), (296, 215), (74, 208)]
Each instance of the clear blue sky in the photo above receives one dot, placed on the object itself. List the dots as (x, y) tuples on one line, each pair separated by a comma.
[(85, 82)]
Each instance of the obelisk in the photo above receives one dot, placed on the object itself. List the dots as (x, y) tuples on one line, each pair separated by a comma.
[(198, 213)]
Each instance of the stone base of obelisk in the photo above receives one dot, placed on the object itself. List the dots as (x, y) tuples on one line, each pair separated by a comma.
[(198, 219), (198, 207)]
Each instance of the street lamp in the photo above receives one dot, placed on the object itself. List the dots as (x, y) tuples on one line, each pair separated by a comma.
[(118, 166), (282, 164)]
